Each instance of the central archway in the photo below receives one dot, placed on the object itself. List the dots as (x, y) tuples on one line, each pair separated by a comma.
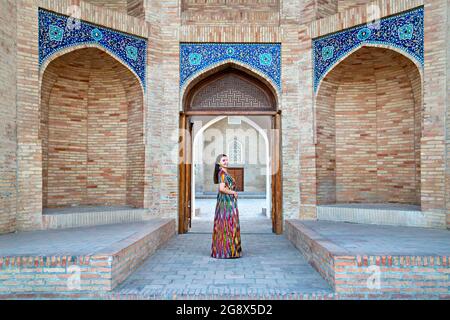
[(230, 90)]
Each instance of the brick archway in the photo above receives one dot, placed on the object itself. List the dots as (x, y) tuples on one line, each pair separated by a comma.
[(91, 128), (229, 90), (240, 69), (368, 129)]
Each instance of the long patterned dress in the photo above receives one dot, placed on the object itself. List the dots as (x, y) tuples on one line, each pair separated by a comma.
[(226, 239)]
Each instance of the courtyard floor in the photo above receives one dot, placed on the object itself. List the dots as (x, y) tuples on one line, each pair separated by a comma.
[(270, 266)]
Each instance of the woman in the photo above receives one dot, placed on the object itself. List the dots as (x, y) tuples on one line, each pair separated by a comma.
[(226, 239)]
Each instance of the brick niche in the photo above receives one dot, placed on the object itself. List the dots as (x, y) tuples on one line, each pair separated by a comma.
[(368, 130), (91, 127)]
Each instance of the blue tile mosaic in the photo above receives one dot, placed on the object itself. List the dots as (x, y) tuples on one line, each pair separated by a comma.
[(403, 31), (56, 32), (264, 57)]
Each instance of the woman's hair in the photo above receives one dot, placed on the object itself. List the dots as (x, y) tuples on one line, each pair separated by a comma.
[(217, 167)]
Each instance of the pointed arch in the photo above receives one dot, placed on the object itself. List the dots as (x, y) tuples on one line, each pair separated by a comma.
[(400, 51), (54, 56), (216, 69)]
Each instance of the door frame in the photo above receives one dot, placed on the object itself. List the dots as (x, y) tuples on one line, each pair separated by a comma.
[(186, 161)]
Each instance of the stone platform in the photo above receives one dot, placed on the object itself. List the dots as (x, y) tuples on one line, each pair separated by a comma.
[(91, 259), (371, 261)]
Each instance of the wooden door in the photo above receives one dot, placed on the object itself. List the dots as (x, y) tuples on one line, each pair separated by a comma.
[(277, 220), (238, 176), (184, 171)]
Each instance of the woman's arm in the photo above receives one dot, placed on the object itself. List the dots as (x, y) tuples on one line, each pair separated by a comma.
[(224, 189)]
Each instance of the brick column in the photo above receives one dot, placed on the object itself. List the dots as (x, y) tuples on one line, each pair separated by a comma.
[(8, 142), (161, 195), (435, 95), (29, 152)]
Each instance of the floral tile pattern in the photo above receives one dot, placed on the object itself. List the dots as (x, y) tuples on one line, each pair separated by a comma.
[(264, 57), (403, 31), (58, 32)]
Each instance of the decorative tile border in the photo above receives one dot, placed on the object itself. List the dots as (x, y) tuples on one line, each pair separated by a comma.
[(403, 31), (58, 32), (264, 57)]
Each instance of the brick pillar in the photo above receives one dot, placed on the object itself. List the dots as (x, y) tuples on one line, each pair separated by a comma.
[(29, 151), (433, 145), (161, 195), (8, 142)]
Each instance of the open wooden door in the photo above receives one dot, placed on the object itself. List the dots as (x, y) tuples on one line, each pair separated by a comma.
[(184, 170), (277, 220)]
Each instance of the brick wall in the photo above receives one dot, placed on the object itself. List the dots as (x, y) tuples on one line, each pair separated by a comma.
[(230, 11), (166, 30), (326, 8), (91, 131), (448, 121), (347, 4), (311, 10), (434, 110), (133, 8), (136, 8), (119, 5), (29, 149), (8, 142), (374, 137)]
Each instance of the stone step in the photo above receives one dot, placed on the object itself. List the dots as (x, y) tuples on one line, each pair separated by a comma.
[(91, 216)]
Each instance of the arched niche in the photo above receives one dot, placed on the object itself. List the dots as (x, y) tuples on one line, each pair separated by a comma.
[(368, 129), (91, 128)]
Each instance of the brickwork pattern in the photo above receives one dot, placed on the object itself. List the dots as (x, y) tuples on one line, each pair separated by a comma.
[(100, 271), (92, 132), (348, 4), (8, 126), (368, 146), (400, 276), (164, 29), (230, 11)]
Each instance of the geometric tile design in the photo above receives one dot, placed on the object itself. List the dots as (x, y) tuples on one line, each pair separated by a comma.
[(264, 57), (403, 31), (57, 32), (228, 93)]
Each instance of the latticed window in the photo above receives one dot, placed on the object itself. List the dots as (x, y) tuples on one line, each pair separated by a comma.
[(235, 150)]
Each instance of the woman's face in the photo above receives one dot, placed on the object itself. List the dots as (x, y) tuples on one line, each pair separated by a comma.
[(224, 161)]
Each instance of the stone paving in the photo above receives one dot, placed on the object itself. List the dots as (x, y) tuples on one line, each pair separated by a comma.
[(74, 241), (251, 218), (248, 208), (366, 239), (270, 265)]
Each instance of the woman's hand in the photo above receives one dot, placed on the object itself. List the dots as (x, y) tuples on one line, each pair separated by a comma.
[(235, 194)]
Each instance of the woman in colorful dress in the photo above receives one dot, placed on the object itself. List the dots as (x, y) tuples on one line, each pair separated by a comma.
[(226, 238)]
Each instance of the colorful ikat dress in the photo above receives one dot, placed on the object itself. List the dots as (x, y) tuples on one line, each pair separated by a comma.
[(226, 238)]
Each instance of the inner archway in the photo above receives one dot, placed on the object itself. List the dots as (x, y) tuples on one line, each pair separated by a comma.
[(215, 108), (92, 132), (368, 127)]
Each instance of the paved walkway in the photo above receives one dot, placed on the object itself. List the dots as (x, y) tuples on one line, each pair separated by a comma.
[(270, 265), (251, 217), (248, 208)]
